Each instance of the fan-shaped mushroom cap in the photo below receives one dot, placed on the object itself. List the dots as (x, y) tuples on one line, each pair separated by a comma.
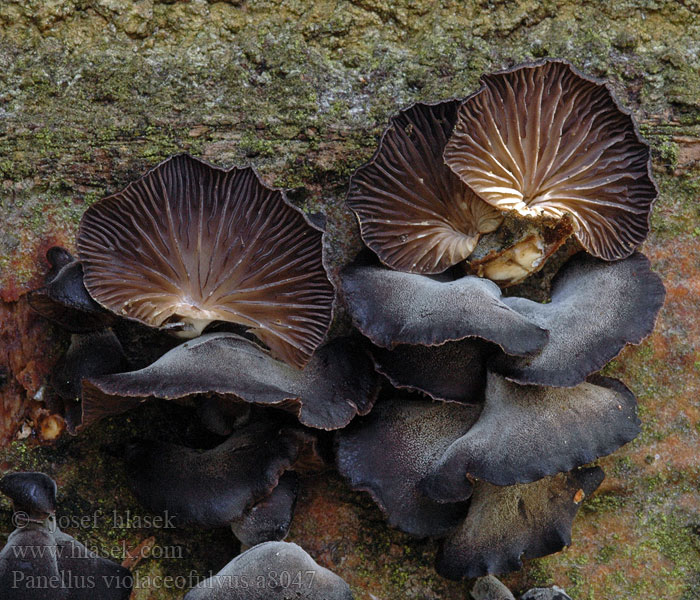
[(272, 570), (413, 211), (525, 433), (388, 453), (89, 355), (393, 308), (195, 243), (64, 299), (215, 487), (31, 493), (336, 385), (543, 139), (454, 371), (506, 524), (269, 519), (596, 309)]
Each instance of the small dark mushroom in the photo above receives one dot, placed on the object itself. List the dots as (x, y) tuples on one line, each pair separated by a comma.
[(64, 299), (506, 524), (544, 140), (454, 371), (525, 433), (218, 486), (596, 309), (269, 519), (338, 383), (272, 570), (33, 494), (89, 355), (413, 211), (390, 451), (40, 562), (189, 243), (393, 308)]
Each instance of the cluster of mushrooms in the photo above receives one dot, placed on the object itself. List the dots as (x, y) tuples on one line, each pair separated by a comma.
[(466, 400)]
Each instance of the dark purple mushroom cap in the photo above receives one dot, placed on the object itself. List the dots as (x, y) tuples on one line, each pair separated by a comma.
[(338, 383), (31, 493), (64, 299), (269, 519), (596, 309), (543, 139), (272, 570), (454, 371), (390, 451), (413, 211), (217, 486), (393, 308), (89, 355), (506, 524), (525, 433), (192, 243)]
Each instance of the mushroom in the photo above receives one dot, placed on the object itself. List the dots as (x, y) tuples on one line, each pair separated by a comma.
[(33, 494), (545, 140), (273, 569), (40, 562), (270, 518), (525, 433), (413, 211), (64, 299), (393, 308), (89, 355), (389, 452), (506, 524), (453, 371), (336, 385), (596, 309), (219, 486), (190, 243)]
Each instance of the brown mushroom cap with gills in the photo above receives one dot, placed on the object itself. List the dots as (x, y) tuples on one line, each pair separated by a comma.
[(544, 140), (414, 213), (189, 243), (277, 570)]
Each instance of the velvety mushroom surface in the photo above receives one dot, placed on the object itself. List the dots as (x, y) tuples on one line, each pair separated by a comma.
[(596, 309), (189, 243), (453, 371), (218, 486), (270, 518), (31, 493), (527, 432), (336, 385), (272, 570), (389, 452), (506, 524), (413, 211), (392, 308), (543, 139)]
